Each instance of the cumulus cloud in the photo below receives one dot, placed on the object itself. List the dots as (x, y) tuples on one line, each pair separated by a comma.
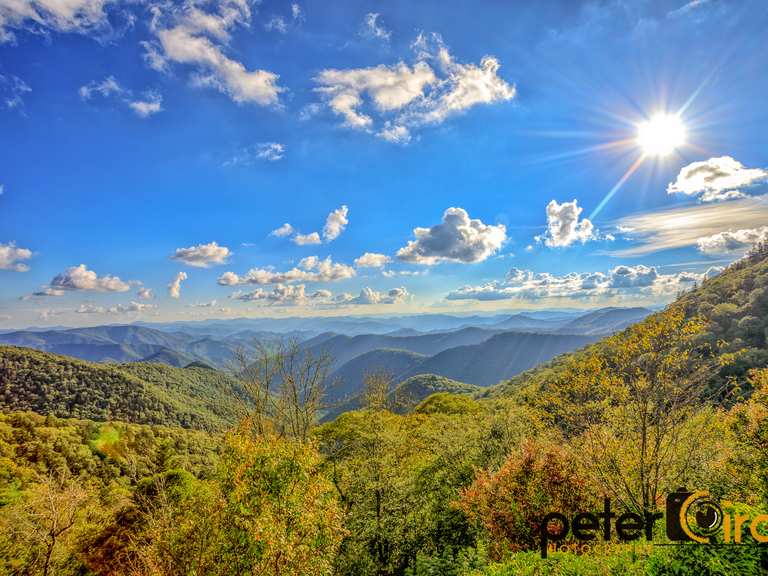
[(716, 179), (188, 35), (306, 239), (311, 269), (457, 239), (564, 227), (174, 288), (269, 151), (149, 104), (80, 278), (296, 295), (12, 257), (284, 230), (145, 294), (391, 100), (372, 28), (370, 296), (280, 295), (87, 17), (203, 255), (335, 223), (637, 281), (372, 260), (733, 241)]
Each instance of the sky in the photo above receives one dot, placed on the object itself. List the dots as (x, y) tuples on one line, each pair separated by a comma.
[(177, 160)]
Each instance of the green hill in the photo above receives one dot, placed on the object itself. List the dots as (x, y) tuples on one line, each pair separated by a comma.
[(136, 392), (733, 307), (412, 391)]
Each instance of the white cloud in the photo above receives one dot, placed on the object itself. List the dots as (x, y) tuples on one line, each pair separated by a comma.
[(80, 278), (296, 295), (89, 308), (681, 227), (373, 29), (271, 151), (296, 12), (76, 16), (46, 291), (105, 88), (621, 281), (210, 304), (393, 273), (403, 97), (276, 23), (280, 295), (732, 241), (284, 230), (389, 87), (174, 288), (11, 257), (311, 270), (335, 223), (188, 35), (149, 104), (457, 239), (203, 255), (716, 179), (370, 296), (564, 227), (145, 294), (306, 239), (372, 260), (12, 88)]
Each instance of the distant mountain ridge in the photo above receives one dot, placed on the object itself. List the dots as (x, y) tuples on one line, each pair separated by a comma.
[(215, 342)]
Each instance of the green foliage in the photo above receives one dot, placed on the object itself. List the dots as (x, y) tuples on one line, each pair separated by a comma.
[(140, 393), (33, 447), (447, 403), (626, 562)]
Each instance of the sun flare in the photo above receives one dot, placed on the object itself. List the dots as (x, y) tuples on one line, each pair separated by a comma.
[(661, 135)]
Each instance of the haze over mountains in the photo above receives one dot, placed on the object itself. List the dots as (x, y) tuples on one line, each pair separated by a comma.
[(477, 350)]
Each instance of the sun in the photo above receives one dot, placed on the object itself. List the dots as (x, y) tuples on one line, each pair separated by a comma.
[(661, 135)]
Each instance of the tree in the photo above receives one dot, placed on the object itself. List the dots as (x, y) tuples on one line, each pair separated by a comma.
[(280, 515), (285, 387), (538, 478), (649, 438), (39, 526)]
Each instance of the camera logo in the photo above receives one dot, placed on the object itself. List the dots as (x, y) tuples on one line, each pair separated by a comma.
[(692, 516)]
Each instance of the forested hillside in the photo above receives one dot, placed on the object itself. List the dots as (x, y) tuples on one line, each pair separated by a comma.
[(141, 393), (731, 310)]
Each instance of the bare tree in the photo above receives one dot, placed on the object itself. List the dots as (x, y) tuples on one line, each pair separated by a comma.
[(285, 385), (41, 523)]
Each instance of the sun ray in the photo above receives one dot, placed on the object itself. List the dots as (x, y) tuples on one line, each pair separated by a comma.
[(616, 187)]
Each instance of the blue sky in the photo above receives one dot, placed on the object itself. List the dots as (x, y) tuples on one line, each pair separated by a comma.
[(150, 149)]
